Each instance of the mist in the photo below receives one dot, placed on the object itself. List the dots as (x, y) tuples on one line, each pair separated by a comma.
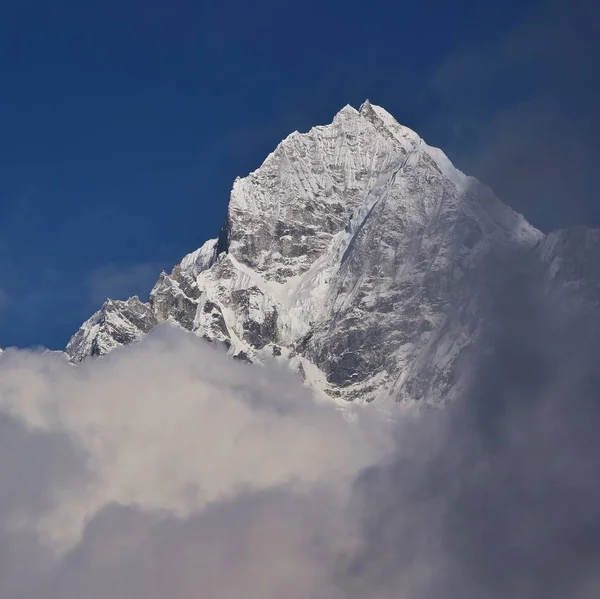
[(519, 111), (166, 469), (496, 495)]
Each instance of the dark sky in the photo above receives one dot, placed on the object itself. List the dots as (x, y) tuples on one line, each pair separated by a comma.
[(125, 122)]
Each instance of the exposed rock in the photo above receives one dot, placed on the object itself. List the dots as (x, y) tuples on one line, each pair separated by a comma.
[(357, 252)]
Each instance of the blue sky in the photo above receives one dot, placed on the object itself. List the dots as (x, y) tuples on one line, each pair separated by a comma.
[(125, 122)]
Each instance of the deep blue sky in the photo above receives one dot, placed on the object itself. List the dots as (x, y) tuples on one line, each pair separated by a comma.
[(125, 122)]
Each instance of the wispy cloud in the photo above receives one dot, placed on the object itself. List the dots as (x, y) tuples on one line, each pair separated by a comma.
[(121, 281), (522, 108)]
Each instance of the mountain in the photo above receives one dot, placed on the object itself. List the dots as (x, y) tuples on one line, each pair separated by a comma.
[(355, 253)]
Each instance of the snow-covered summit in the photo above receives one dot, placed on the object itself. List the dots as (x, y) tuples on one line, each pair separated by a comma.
[(351, 253)]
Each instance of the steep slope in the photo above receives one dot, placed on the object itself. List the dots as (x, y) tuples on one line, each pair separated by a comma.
[(354, 252)]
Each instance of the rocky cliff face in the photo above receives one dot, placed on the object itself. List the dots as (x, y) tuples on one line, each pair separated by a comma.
[(355, 253)]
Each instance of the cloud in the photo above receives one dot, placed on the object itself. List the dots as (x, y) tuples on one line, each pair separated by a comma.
[(260, 545), (165, 469), (523, 112), (498, 495), (168, 468), (120, 282), (33, 467)]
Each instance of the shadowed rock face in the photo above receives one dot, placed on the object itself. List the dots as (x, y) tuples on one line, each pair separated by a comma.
[(358, 254)]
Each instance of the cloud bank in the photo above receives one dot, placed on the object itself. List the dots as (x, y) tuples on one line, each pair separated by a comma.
[(167, 470), (498, 495)]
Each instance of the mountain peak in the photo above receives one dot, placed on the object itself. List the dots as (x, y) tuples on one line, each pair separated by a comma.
[(365, 106), (349, 254), (347, 111)]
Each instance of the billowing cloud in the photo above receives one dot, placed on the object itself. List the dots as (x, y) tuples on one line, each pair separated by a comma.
[(168, 470), (498, 495)]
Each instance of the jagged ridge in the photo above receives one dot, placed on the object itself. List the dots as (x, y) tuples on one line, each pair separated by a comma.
[(352, 253)]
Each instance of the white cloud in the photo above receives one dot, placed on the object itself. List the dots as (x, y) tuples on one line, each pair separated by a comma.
[(168, 470), (228, 475)]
